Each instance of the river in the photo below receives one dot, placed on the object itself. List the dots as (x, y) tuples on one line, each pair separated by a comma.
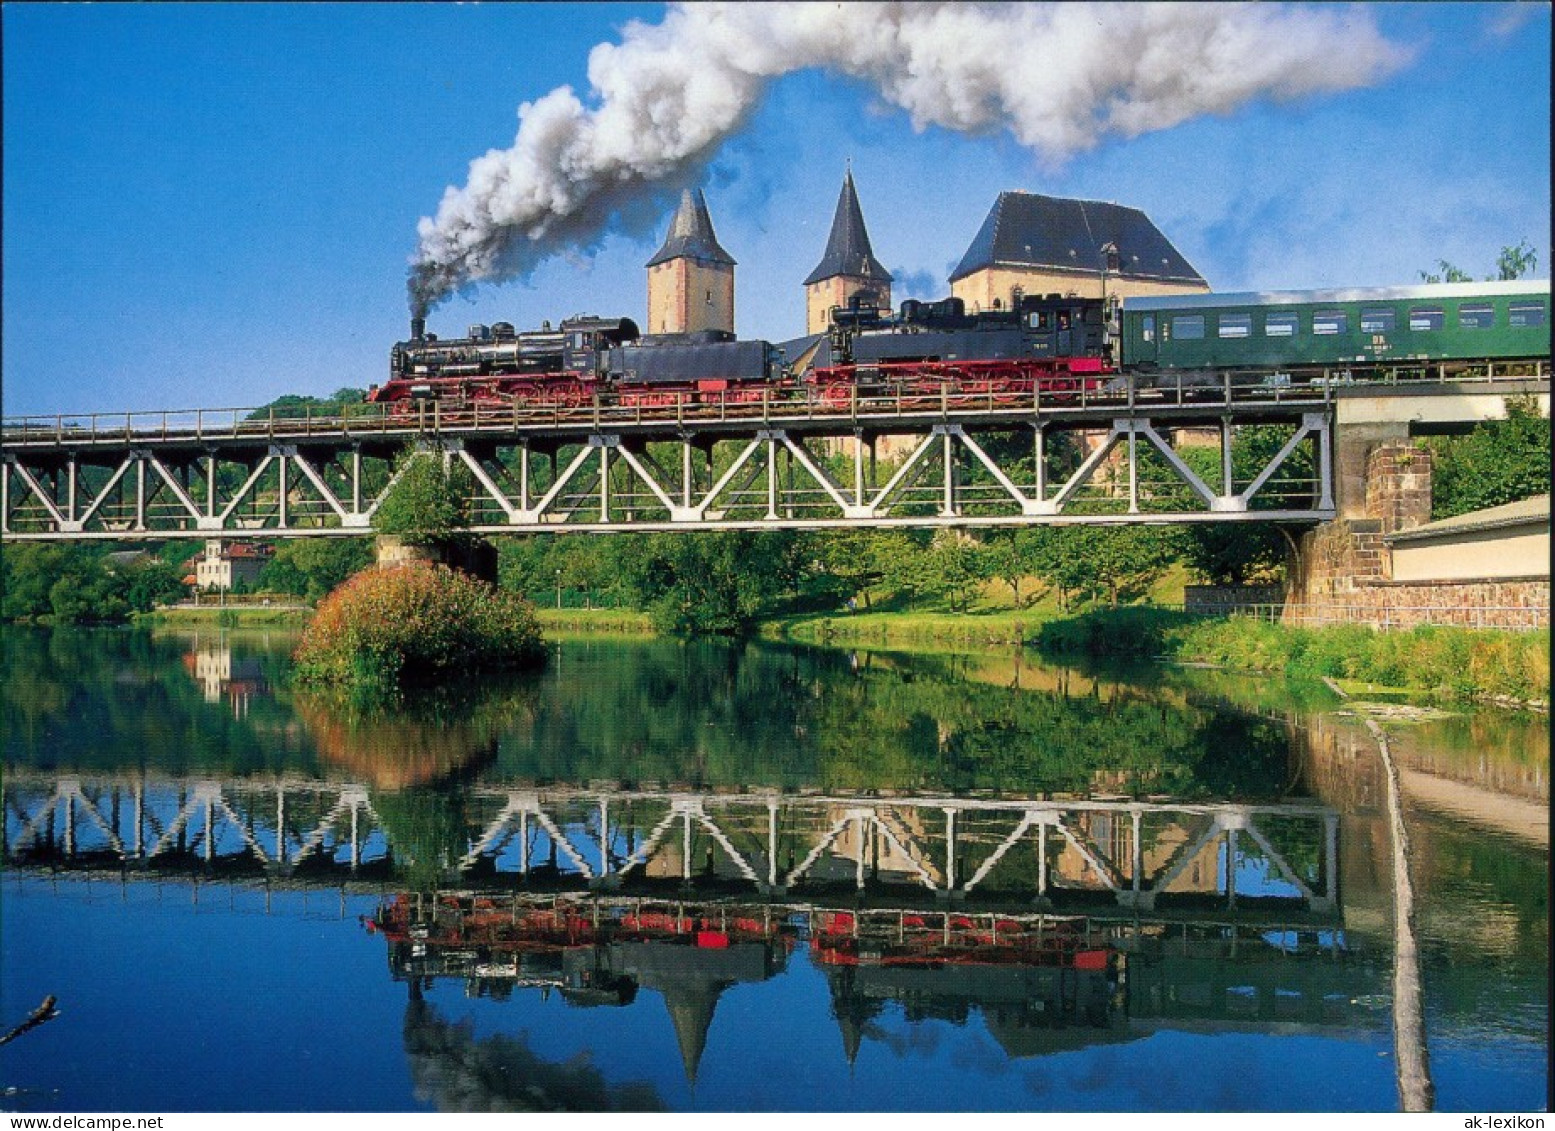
[(709, 877)]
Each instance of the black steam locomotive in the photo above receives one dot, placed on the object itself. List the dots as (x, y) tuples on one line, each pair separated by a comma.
[(1048, 343), (584, 357)]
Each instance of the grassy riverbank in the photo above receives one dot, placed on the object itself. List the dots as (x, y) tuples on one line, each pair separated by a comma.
[(905, 629), (1452, 663), (229, 616), (1448, 663), (593, 622)]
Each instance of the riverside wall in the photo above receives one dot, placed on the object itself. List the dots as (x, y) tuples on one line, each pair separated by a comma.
[(1344, 570)]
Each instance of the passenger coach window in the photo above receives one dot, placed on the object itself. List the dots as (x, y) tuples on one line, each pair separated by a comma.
[(1279, 326), (1147, 327), (1525, 314), (1479, 316), (1426, 318), (1188, 326), (1378, 321), (1330, 322), (1235, 325)]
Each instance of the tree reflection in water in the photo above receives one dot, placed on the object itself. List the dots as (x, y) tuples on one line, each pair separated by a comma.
[(424, 738), (458, 1073)]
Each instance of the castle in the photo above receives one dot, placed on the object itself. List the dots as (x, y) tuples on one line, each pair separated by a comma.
[(1029, 244)]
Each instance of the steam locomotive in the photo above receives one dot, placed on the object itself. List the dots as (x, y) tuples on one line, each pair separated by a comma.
[(1050, 342), (1048, 345)]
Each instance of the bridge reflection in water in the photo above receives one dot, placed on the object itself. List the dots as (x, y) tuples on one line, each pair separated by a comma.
[(1062, 923), (1124, 853)]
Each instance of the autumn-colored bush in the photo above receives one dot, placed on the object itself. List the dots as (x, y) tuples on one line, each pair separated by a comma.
[(418, 622)]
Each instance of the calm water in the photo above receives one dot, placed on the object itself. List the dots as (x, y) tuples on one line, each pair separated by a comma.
[(661, 876)]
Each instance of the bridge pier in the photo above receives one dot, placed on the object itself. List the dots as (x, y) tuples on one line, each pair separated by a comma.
[(1384, 487)]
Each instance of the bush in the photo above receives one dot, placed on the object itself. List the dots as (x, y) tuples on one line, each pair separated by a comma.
[(387, 627)]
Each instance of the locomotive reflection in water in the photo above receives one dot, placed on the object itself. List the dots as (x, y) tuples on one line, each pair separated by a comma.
[(1041, 983)]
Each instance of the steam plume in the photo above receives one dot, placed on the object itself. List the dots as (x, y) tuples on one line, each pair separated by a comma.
[(1059, 78)]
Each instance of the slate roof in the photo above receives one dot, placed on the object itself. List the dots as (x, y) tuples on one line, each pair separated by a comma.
[(1491, 518), (691, 234), (1028, 230), (847, 249), (809, 352)]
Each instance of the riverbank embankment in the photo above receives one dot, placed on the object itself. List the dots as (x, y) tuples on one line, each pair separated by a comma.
[(1508, 668), (1512, 668)]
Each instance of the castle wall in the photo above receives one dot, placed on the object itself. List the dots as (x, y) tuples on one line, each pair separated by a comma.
[(982, 289)]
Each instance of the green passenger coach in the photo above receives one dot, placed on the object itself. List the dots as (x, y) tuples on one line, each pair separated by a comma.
[(1384, 328)]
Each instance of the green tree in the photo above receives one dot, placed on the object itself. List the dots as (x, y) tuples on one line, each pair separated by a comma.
[(293, 405), (711, 581), (958, 567), (30, 570), (1501, 461), (1513, 263), (1120, 562), (75, 583), (428, 503), (1446, 273), (851, 560), (312, 567), (150, 583), (1516, 262)]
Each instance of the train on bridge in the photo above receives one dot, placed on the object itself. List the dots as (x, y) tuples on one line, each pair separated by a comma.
[(1042, 345)]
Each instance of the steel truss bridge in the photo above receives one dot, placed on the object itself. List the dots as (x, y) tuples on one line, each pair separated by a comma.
[(954, 460), (1125, 854)]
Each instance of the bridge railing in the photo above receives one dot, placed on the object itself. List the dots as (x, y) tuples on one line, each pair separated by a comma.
[(779, 404), (772, 406)]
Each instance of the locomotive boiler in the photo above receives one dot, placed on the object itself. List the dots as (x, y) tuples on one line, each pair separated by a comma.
[(498, 363)]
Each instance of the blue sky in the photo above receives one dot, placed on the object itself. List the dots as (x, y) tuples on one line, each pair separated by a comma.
[(212, 205)]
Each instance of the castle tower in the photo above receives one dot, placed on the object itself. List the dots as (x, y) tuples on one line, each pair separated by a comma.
[(848, 268), (691, 279)]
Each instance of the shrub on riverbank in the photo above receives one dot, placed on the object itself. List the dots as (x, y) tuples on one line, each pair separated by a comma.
[(1452, 662), (385, 627)]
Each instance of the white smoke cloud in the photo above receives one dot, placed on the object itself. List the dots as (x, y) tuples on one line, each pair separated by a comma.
[(1059, 78)]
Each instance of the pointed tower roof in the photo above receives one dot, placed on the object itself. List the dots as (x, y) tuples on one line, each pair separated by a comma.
[(691, 234), (847, 250), (691, 1005)]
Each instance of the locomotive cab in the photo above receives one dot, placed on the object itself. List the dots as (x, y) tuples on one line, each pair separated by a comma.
[(1063, 326)]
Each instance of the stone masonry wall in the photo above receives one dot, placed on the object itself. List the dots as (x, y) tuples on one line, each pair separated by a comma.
[(1344, 572)]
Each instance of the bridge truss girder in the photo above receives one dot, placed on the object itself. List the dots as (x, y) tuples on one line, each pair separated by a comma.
[(991, 471)]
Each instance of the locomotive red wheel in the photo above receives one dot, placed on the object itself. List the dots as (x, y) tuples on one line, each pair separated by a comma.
[(837, 396)]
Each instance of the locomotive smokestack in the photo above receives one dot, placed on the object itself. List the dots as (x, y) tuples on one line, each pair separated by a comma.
[(418, 328)]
